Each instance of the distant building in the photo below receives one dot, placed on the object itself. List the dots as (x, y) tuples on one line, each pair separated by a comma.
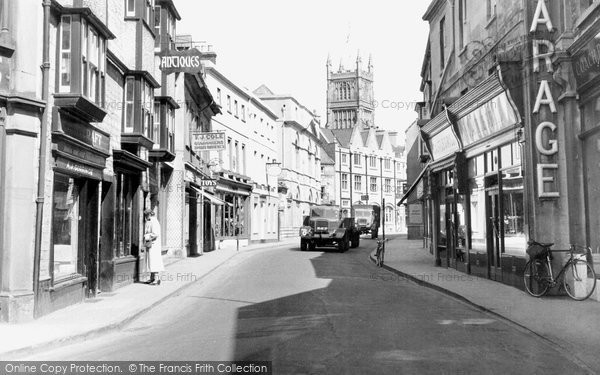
[(368, 170), (350, 96), (299, 151), (244, 183)]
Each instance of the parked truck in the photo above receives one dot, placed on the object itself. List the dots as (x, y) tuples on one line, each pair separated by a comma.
[(367, 218), (327, 227)]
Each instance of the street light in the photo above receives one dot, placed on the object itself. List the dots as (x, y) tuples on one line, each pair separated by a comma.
[(274, 169)]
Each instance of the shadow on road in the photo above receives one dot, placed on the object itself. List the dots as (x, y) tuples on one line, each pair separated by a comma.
[(363, 324)]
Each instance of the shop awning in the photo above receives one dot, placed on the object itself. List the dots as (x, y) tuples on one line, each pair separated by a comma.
[(210, 197), (414, 185), (483, 112)]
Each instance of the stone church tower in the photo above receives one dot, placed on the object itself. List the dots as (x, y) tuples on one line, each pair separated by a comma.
[(350, 96)]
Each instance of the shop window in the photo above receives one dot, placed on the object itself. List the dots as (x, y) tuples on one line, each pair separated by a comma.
[(491, 160), (65, 226), (478, 217), (230, 219), (591, 114), (84, 73), (512, 211), (124, 214)]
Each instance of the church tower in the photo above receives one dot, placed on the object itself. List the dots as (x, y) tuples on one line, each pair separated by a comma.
[(350, 96)]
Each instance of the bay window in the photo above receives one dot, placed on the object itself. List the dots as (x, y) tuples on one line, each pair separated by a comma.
[(138, 105), (82, 61), (157, 39), (65, 54), (171, 130), (129, 104)]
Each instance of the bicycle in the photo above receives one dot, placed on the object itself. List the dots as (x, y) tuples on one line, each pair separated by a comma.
[(380, 252), (579, 278)]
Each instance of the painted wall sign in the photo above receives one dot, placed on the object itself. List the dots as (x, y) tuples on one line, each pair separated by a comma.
[(443, 144), (78, 169), (202, 141), (188, 61), (547, 147), (587, 63), (85, 133), (415, 214)]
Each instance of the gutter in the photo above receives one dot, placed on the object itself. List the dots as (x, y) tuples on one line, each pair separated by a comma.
[(42, 157)]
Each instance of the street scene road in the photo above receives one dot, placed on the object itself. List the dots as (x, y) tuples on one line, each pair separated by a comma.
[(322, 312)]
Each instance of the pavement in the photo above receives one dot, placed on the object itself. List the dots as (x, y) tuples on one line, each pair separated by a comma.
[(571, 326), (112, 311)]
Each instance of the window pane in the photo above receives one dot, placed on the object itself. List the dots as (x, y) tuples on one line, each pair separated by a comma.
[(512, 197), (65, 222), (66, 33)]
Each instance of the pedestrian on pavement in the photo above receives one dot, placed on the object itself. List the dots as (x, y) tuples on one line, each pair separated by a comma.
[(152, 242)]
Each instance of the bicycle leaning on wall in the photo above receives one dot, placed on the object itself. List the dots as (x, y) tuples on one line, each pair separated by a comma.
[(578, 276)]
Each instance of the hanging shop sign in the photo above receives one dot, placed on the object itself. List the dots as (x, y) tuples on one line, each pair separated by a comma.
[(203, 141), (188, 61), (545, 132)]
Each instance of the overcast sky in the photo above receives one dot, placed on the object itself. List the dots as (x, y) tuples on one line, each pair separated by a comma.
[(284, 44)]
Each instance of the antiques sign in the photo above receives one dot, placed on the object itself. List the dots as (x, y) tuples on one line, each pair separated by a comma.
[(188, 61)]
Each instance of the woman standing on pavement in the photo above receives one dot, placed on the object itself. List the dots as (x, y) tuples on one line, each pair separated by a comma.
[(152, 242)]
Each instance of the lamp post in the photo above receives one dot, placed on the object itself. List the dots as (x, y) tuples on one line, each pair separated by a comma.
[(214, 166), (273, 169)]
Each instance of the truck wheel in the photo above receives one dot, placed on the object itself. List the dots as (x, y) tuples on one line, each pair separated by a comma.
[(303, 245), (343, 245), (356, 240)]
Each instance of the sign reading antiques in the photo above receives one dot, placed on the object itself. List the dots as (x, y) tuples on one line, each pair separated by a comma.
[(188, 61), (547, 147), (202, 141)]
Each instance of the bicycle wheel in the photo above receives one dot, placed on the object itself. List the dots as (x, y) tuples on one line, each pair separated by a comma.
[(579, 280), (536, 277)]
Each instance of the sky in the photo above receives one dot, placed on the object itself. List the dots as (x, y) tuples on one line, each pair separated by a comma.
[(285, 44)]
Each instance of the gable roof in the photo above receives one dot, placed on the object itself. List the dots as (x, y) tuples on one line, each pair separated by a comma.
[(343, 136), (263, 90)]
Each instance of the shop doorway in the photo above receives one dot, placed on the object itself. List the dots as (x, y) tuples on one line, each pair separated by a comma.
[(494, 231)]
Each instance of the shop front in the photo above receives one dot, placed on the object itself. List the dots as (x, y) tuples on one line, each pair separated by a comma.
[(232, 221), (79, 153), (476, 184), (121, 252)]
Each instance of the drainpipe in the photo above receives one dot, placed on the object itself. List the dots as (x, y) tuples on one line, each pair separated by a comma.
[(43, 149)]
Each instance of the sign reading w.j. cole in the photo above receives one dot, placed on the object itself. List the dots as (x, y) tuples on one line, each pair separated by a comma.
[(188, 61), (202, 141)]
